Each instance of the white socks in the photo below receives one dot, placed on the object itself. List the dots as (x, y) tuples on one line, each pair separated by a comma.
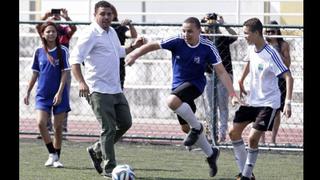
[(185, 111), (240, 153), (203, 143), (251, 160)]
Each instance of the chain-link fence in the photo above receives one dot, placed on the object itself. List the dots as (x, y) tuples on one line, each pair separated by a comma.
[(148, 83)]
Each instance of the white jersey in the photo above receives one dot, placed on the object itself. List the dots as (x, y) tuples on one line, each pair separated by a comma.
[(265, 66)]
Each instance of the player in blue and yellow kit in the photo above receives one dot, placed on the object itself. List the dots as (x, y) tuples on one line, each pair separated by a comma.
[(190, 55)]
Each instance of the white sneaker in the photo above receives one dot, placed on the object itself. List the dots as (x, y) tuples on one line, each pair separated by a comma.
[(189, 148), (57, 164), (52, 158)]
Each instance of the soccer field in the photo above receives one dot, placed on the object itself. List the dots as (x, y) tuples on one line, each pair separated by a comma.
[(152, 162)]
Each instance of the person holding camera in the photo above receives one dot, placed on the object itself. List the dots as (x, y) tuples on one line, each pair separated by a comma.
[(65, 32), (223, 45)]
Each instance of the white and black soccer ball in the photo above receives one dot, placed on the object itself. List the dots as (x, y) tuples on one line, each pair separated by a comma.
[(123, 172)]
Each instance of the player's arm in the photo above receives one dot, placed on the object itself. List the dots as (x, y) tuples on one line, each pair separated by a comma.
[(245, 72), (32, 81), (144, 49), (285, 54), (226, 81), (58, 96), (289, 87)]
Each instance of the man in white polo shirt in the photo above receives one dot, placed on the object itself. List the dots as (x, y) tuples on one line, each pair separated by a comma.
[(100, 49)]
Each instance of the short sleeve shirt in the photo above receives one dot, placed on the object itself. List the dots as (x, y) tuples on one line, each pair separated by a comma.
[(189, 62), (265, 68)]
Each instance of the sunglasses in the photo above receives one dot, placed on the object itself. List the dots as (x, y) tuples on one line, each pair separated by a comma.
[(271, 31)]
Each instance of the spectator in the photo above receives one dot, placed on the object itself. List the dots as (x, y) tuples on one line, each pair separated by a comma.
[(190, 54), (101, 84), (223, 45), (50, 66), (283, 49), (124, 31), (264, 67), (65, 32)]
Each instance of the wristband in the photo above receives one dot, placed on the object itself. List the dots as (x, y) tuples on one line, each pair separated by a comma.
[(287, 101)]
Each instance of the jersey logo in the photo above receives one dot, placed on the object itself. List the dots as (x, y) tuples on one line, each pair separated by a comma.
[(56, 62), (260, 67), (196, 60), (177, 57)]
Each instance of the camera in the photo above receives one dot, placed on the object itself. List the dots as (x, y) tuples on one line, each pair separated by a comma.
[(212, 16), (55, 11), (208, 17)]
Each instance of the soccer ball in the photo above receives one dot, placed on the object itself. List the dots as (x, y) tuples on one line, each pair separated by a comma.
[(123, 172)]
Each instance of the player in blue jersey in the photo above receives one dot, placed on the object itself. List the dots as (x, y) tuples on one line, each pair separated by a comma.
[(190, 55), (50, 66), (264, 67)]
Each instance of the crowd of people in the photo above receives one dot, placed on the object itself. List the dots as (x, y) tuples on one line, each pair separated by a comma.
[(195, 57)]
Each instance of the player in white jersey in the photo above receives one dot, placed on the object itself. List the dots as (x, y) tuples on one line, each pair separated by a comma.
[(264, 67)]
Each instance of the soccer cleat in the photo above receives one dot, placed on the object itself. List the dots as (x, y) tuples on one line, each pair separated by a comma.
[(244, 178), (57, 164), (189, 148), (193, 136), (96, 162), (212, 161), (52, 158), (107, 175), (238, 177)]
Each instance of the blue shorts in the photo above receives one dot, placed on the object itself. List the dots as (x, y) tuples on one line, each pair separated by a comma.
[(46, 104)]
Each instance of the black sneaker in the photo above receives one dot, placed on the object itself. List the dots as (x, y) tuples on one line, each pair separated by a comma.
[(212, 161), (96, 162), (238, 177), (107, 175), (193, 136), (245, 178)]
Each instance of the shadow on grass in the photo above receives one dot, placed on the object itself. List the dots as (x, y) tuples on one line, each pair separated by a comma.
[(79, 168), (158, 170), (159, 178)]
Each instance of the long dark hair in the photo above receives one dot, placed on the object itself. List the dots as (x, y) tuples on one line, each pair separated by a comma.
[(280, 40), (45, 43)]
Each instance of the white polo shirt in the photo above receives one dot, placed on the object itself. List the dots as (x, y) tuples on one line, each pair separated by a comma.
[(100, 51), (265, 67)]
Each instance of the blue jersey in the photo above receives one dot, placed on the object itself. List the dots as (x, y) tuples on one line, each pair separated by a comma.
[(49, 79), (189, 62)]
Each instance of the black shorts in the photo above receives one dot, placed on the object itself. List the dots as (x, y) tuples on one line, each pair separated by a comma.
[(187, 93), (262, 117)]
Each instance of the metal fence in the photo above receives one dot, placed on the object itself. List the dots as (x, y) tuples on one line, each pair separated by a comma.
[(148, 83)]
